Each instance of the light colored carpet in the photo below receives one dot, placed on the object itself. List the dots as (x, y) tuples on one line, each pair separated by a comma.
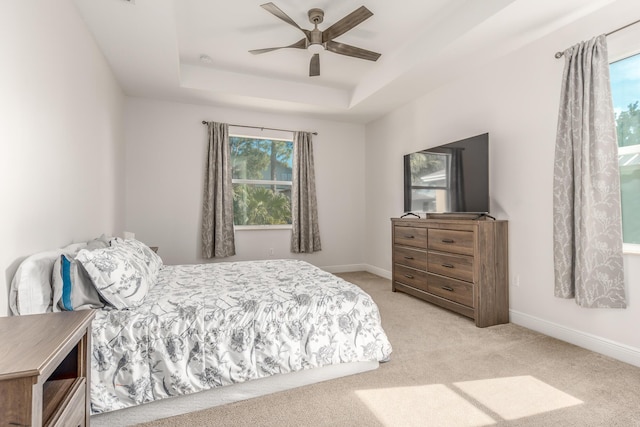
[(446, 372)]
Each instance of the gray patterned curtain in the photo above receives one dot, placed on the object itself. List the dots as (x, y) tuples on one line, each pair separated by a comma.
[(587, 220), (217, 206), (305, 235)]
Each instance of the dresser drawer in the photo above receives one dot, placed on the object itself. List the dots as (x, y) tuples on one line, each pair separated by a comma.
[(451, 289), (410, 236), (450, 265), (458, 242), (410, 276), (410, 257)]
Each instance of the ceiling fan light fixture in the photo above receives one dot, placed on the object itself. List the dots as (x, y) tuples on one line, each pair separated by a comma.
[(315, 48)]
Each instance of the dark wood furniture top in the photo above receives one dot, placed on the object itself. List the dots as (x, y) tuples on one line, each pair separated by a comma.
[(45, 368)]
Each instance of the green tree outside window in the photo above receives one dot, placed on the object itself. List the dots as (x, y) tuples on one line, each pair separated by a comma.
[(262, 171), (625, 88)]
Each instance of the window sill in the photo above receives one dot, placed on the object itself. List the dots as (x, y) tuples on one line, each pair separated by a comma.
[(628, 248), (263, 227)]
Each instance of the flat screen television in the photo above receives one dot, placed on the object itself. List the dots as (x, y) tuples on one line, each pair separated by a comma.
[(449, 178)]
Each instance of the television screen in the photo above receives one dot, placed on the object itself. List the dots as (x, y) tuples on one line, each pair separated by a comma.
[(448, 178)]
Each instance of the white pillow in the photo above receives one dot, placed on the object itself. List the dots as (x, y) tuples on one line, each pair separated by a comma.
[(118, 274), (31, 285)]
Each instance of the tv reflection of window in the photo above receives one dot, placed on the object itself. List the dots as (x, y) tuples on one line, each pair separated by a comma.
[(437, 181), (452, 177)]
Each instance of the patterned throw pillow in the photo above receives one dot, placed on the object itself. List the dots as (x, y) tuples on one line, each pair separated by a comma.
[(146, 258), (119, 273)]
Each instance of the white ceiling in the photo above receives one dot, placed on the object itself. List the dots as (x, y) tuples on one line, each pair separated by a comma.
[(154, 48)]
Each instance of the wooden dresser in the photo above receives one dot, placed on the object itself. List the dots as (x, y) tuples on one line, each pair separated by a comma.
[(45, 368), (458, 264)]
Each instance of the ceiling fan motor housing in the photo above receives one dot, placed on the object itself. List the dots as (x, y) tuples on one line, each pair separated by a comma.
[(315, 37)]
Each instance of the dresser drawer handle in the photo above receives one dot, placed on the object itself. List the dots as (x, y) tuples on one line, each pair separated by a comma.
[(448, 241), (408, 257), (448, 265), (408, 276), (408, 236), (447, 288)]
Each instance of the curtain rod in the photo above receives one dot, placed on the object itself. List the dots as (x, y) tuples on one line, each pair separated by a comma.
[(260, 127), (560, 54)]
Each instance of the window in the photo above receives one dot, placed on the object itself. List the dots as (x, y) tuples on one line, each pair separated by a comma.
[(261, 176), (625, 87)]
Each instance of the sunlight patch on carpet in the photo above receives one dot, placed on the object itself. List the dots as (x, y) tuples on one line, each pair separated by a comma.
[(517, 397), (434, 404)]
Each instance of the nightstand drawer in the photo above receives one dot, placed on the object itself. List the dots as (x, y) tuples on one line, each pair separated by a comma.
[(410, 276), (410, 236), (410, 257), (450, 265), (458, 242), (69, 411), (451, 289)]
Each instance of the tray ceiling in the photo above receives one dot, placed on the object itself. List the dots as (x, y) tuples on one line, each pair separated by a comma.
[(155, 47)]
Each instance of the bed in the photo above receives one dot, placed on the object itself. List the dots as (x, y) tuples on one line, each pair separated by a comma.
[(164, 331)]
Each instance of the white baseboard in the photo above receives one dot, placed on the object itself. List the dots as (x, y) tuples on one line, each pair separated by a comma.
[(591, 342), (378, 271), (347, 268)]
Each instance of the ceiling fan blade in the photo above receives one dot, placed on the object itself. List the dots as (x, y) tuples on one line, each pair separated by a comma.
[(314, 65), (345, 24), (275, 10), (300, 44), (356, 52)]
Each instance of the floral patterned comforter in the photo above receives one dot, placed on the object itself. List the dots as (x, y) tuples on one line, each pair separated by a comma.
[(210, 325)]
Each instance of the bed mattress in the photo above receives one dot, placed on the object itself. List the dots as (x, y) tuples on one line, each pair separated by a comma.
[(209, 325)]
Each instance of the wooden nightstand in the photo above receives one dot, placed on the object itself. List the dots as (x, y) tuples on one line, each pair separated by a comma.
[(45, 369)]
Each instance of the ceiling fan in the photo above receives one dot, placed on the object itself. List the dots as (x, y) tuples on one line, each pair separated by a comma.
[(316, 40)]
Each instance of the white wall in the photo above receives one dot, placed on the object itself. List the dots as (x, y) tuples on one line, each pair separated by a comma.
[(166, 151), (516, 100), (61, 174)]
